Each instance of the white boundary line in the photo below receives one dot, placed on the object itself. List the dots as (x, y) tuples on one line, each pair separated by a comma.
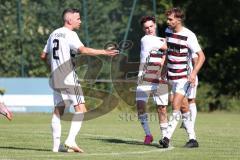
[(85, 154), (123, 153)]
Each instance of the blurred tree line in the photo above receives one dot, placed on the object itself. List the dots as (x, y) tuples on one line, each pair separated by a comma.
[(25, 27)]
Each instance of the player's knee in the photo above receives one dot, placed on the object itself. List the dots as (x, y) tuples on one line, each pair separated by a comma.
[(162, 109), (59, 110), (80, 108), (141, 107), (176, 105), (184, 109), (191, 101), (170, 98)]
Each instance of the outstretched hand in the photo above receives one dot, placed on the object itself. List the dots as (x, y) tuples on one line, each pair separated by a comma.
[(111, 52)]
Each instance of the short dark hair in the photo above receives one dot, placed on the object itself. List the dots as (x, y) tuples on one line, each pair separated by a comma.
[(147, 18), (70, 10), (178, 13)]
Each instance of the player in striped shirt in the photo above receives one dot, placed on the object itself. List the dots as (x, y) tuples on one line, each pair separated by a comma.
[(150, 78), (182, 44), (190, 101), (62, 44)]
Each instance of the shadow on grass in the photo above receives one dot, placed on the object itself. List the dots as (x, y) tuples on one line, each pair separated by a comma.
[(123, 141), (23, 148)]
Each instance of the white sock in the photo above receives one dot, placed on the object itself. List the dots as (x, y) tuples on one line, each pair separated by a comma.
[(144, 122), (172, 123), (75, 127), (56, 132), (193, 110), (189, 125), (163, 128)]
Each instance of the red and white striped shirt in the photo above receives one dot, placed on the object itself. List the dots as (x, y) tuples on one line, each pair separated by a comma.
[(150, 57), (181, 47)]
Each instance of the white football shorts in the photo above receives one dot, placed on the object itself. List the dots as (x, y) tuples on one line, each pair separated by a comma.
[(181, 86), (69, 96), (191, 90), (158, 91)]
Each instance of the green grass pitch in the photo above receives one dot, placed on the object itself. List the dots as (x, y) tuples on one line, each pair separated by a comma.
[(118, 135)]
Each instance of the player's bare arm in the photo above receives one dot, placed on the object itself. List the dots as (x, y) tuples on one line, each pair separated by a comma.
[(93, 52), (163, 62), (163, 48), (197, 66), (164, 67)]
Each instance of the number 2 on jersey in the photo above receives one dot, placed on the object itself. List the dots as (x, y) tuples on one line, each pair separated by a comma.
[(55, 48)]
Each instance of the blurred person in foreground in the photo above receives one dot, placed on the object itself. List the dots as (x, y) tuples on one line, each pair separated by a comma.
[(3, 108)]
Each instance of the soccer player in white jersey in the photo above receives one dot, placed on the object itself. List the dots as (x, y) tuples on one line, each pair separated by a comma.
[(61, 44), (190, 101), (150, 80), (182, 43)]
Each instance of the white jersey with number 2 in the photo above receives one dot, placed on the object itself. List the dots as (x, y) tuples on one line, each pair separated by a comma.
[(61, 45)]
